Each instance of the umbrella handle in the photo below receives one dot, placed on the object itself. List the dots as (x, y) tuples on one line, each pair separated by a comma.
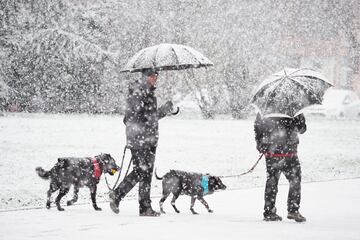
[(176, 112)]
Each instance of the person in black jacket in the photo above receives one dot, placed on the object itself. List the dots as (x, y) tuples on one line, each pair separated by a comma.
[(142, 134), (277, 138)]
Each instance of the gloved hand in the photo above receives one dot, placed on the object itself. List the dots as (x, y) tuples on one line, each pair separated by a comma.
[(262, 148), (299, 119), (299, 123), (168, 107)]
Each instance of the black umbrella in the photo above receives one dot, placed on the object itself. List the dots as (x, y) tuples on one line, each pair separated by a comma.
[(166, 57), (289, 91)]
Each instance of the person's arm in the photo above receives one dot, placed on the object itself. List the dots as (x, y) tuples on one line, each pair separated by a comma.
[(134, 106), (257, 128), (259, 134)]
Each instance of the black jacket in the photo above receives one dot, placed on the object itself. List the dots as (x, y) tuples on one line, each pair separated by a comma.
[(277, 134), (142, 115)]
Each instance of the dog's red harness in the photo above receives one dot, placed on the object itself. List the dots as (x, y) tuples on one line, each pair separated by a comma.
[(269, 154), (97, 169)]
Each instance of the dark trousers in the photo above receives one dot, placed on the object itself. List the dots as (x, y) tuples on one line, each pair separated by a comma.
[(290, 166), (143, 167)]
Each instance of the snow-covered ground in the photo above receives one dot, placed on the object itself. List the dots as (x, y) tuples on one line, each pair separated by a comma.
[(331, 208), (329, 150)]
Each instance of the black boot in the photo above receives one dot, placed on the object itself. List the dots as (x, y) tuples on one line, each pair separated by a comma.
[(114, 202), (148, 212), (271, 216), (296, 216)]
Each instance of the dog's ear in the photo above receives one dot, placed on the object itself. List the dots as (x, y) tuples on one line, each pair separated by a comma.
[(105, 155), (102, 157), (211, 179), (108, 156)]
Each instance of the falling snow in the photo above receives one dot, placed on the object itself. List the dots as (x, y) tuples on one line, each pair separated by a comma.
[(64, 91)]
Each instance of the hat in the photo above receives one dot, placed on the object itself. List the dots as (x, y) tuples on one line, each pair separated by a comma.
[(149, 71)]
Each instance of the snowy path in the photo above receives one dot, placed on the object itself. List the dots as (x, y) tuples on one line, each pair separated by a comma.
[(331, 208)]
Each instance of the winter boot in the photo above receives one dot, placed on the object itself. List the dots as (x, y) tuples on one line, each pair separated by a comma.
[(114, 202), (148, 212), (296, 216), (271, 217)]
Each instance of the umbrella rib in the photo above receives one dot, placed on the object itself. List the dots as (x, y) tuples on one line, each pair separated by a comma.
[(279, 81), (300, 69), (296, 71), (312, 93), (176, 57), (140, 55), (305, 89), (193, 56), (282, 80), (154, 60), (307, 75), (324, 80)]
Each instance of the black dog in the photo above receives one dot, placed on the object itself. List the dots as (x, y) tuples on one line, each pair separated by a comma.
[(195, 185), (78, 172)]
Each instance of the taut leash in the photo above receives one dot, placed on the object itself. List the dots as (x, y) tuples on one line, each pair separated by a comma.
[(244, 173)]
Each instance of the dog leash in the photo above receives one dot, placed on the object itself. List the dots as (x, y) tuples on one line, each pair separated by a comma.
[(121, 167), (244, 173), (128, 168)]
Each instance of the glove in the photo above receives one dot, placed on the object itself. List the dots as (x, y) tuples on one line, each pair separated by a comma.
[(168, 107), (299, 120), (299, 123), (262, 148)]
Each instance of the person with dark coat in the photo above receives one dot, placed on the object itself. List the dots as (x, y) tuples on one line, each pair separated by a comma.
[(277, 138), (142, 134)]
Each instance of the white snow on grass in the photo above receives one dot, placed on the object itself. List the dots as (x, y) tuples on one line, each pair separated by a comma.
[(328, 151)]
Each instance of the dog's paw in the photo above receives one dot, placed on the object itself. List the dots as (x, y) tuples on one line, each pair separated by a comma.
[(48, 205), (210, 211), (69, 203)]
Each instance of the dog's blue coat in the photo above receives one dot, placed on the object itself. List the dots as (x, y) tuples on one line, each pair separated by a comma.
[(205, 183)]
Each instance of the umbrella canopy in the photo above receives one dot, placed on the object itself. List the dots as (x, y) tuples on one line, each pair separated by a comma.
[(289, 91), (166, 57)]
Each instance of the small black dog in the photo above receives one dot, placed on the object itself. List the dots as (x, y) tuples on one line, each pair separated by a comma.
[(78, 172), (195, 185)]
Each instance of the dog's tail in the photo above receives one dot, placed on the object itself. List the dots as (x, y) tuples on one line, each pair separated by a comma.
[(42, 173), (157, 177)]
